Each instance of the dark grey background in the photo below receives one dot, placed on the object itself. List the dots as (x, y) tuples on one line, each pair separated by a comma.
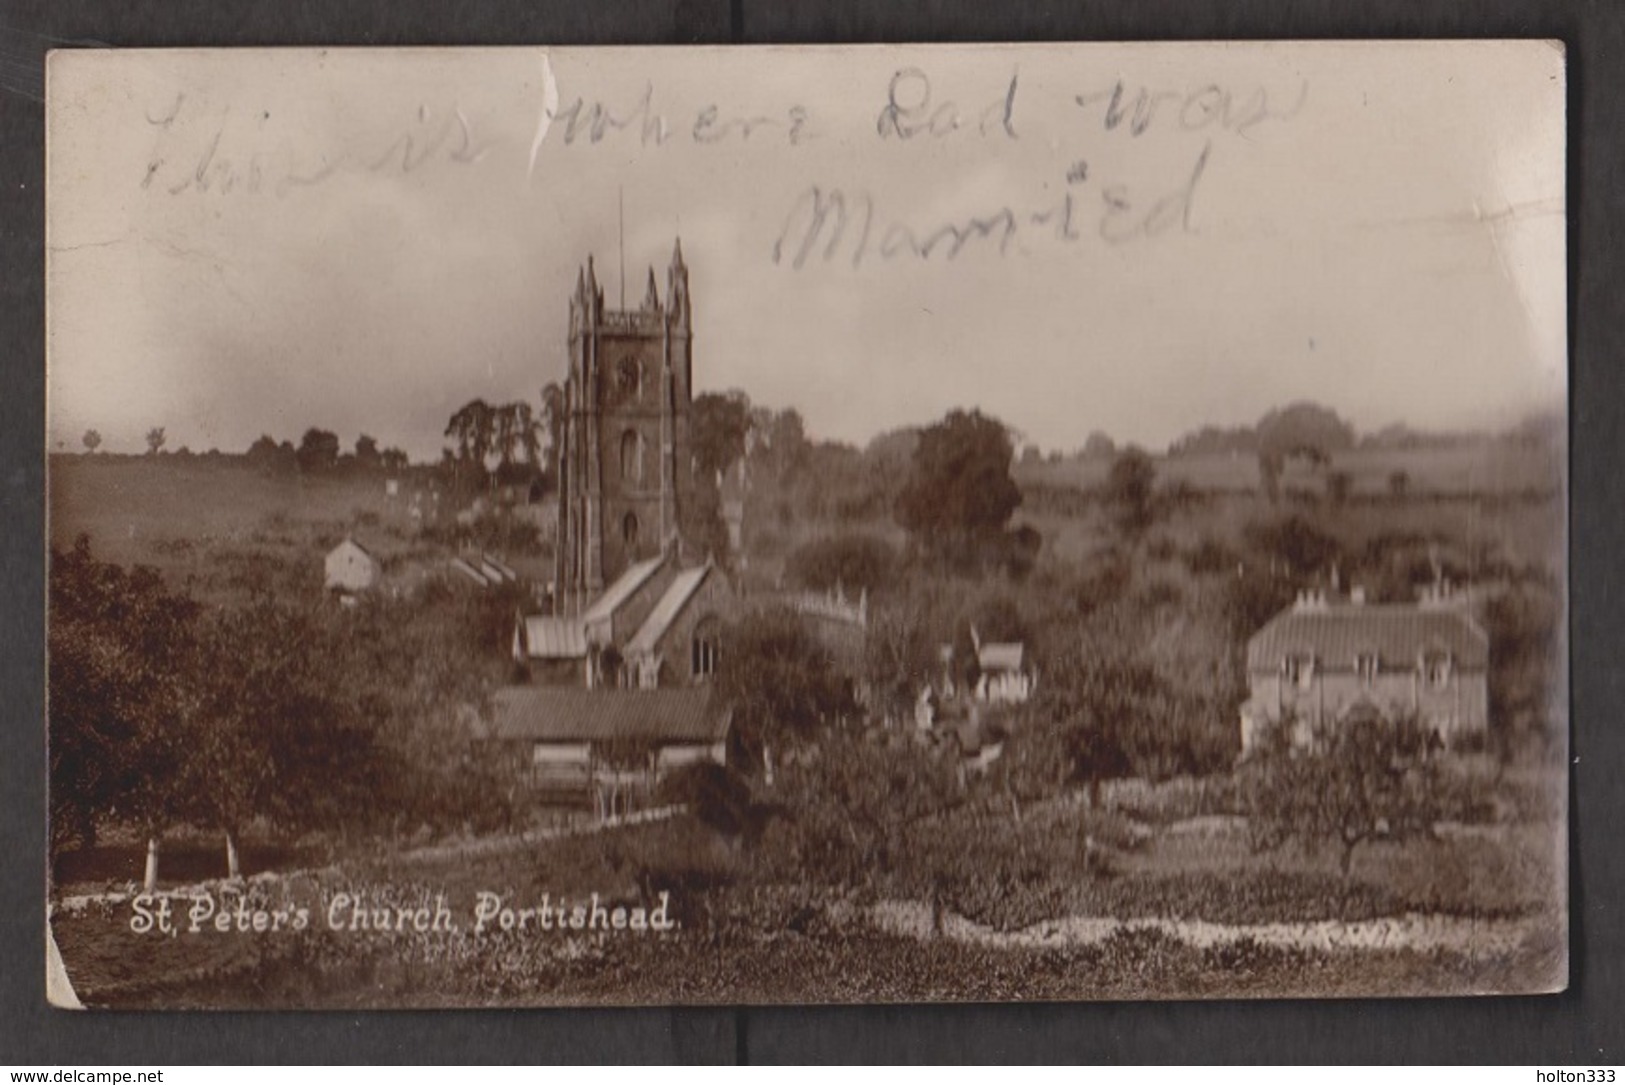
[(1584, 1025)]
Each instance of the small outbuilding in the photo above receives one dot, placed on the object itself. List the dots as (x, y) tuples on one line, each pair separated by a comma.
[(351, 568), (1006, 676), (553, 648)]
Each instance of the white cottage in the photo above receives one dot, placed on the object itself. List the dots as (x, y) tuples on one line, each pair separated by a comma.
[(351, 568)]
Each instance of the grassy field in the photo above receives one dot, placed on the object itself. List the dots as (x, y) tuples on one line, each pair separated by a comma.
[(212, 526), (740, 936)]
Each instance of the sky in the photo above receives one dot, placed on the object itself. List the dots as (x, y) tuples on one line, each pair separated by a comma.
[(1136, 239)]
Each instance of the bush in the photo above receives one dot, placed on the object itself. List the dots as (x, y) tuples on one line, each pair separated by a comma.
[(714, 794), (1210, 557), (853, 562)]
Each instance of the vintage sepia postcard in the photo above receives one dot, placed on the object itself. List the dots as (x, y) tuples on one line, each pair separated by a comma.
[(540, 526)]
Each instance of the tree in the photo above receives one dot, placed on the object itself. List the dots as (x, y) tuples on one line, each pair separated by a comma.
[(959, 495), (527, 434), (867, 815), (720, 423), (853, 562), (1339, 484), (1099, 446), (473, 427), (155, 440), (1524, 624), (700, 522), (780, 680), (115, 694), (392, 459), (1294, 544), (1215, 440), (318, 451), (93, 441), (1363, 779), (553, 416), (1100, 714), (366, 453), (269, 456), (1270, 465), (1129, 490), (900, 650), (1304, 429)]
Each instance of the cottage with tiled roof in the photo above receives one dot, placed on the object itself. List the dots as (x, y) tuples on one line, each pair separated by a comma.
[(1322, 661), (608, 747)]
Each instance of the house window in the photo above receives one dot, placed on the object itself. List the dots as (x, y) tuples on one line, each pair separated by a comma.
[(629, 530), (1365, 665), (630, 378), (632, 456), (1436, 668), (1299, 670)]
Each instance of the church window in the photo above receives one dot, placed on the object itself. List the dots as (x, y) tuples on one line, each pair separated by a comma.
[(703, 649), (632, 456), (629, 530)]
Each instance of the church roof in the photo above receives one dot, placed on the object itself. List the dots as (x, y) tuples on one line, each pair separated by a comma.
[(654, 627), (622, 589), (569, 714), (1397, 633)]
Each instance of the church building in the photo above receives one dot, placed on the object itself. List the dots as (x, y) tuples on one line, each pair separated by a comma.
[(636, 606), (625, 470)]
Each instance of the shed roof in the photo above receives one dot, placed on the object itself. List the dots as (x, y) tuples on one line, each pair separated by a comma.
[(654, 627), (1397, 633), (349, 543), (1001, 656), (622, 589), (566, 714), (548, 637)]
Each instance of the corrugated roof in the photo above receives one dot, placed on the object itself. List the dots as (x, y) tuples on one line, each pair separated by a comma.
[(549, 637), (461, 566), (501, 567), (620, 591), (1397, 633), (682, 589), (567, 714), (1001, 657)]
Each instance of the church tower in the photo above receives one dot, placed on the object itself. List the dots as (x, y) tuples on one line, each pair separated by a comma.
[(625, 468)]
